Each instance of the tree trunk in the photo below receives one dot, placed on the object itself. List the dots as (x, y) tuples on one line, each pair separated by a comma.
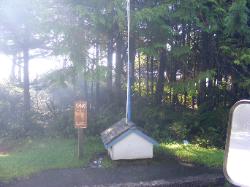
[(172, 80), (152, 76), (185, 89), (19, 73), (110, 64), (118, 69), (139, 69), (193, 102), (92, 94), (132, 50), (204, 65), (132, 53), (147, 78), (92, 98), (97, 73), (85, 82), (160, 81), (13, 68), (26, 81), (202, 93)]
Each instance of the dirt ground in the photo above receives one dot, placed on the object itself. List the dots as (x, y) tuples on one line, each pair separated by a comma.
[(124, 172)]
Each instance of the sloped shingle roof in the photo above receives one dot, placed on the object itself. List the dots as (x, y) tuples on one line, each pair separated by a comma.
[(115, 130), (120, 130)]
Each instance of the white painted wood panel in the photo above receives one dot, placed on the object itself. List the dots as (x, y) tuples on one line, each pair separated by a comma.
[(132, 147)]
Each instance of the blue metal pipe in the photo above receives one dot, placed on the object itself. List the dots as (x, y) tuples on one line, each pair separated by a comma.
[(128, 104)]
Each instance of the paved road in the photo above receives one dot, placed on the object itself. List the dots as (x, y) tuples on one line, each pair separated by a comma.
[(120, 174)]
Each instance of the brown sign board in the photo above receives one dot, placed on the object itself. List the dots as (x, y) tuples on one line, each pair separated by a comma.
[(80, 114)]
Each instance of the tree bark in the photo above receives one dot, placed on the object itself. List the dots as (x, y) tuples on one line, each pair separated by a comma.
[(160, 80), (13, 68), (132, 50), (26, 80), (152, 76), (205, 65), (139, 61), (147, 78), (19, 73), (118, 69), (132, 53), (92, 98), (97, 73), (85, 82), (110, 63)]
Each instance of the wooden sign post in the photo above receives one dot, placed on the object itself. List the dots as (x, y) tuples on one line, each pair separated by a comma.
[(80, 116)]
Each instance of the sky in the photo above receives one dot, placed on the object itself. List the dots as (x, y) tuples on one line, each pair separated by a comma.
[(38, 66)]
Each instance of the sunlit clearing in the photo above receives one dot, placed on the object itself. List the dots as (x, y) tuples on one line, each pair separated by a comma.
[(5, 63), (4, 155), (38, 66), (41, 66)]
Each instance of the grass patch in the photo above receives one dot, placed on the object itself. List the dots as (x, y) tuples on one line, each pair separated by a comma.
[(107, 162), (37, 155), (31, 156), (210, 157)]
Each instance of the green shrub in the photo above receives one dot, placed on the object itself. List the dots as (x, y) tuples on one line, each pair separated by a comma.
[(163, 123), (178, 130), (204, 127), (209, 127), (62, 124), (11, 111), (103, 118)]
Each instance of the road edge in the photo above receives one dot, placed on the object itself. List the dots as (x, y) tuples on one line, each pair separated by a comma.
[(199, 181)]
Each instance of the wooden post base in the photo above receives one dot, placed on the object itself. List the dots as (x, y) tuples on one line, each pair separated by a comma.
[(80, 143)]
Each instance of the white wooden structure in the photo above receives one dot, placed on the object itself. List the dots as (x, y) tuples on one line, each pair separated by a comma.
[(125, 141)]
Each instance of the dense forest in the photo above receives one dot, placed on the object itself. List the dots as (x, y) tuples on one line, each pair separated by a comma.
[(189, 64)]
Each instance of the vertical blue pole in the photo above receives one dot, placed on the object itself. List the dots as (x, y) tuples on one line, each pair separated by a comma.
[(128, 104)]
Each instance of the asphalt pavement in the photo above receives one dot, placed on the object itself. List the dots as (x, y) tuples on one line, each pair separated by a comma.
[(132, 174)]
